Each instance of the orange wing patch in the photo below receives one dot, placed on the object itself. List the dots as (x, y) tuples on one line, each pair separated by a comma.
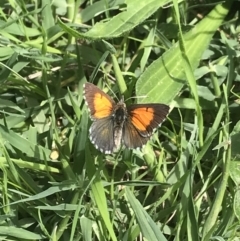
[(102, 106), (142, 117)]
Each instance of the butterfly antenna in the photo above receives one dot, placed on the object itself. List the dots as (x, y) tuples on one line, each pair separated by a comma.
[(136, 97), (112, 91)]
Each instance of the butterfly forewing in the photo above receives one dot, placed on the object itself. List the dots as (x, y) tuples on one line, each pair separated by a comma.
[(99, 103), (147, 117)]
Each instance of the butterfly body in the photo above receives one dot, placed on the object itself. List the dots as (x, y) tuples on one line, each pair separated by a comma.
[(119, 117), (114, 123)]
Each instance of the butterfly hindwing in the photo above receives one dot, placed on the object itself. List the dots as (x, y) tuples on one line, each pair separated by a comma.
[(131, 137), (102, 135)]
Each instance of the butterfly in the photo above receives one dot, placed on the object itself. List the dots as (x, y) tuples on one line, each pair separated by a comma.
[(115, 123)]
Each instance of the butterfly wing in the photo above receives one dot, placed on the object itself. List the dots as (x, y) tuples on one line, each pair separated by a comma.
[(147, 117), (101, 134), (131, 137), (101, 107), (99, 103)]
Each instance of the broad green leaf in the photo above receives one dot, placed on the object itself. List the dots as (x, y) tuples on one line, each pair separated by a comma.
[(205, 93), (234, 171), (97, 8), (61, 6), (17, 29), (86, 226), (165, 77), (47, 15), (137, 11), (200, 72), (237, 204), (235, 139), (9, 104), (6, 52)]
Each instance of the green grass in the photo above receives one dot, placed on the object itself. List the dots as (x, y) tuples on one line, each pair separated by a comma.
[(184, 185)]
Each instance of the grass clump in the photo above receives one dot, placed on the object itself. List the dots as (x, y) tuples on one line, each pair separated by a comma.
[(55, 185)]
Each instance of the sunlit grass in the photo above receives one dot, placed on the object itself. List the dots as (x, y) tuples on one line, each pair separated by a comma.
[(55, 185)]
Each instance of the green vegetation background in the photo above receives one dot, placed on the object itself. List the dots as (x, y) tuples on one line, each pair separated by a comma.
[(184, 184)]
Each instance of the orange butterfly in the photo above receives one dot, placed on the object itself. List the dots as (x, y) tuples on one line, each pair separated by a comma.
[(114, 123)]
